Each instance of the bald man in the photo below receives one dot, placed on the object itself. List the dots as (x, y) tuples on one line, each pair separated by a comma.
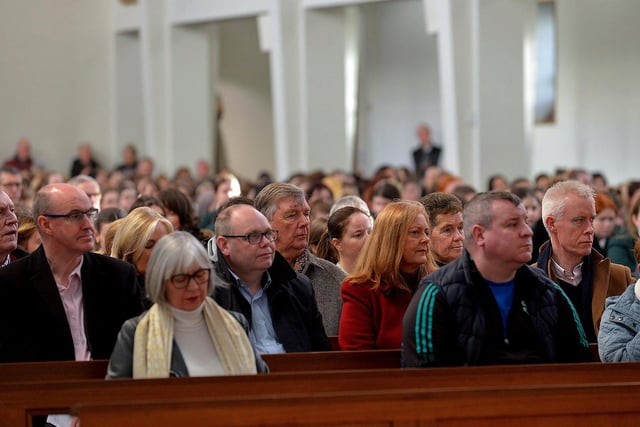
[(63, 302)]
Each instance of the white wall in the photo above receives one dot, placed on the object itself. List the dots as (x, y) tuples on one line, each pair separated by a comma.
[(325, 89), (129, 111), (244, 85), (57, 73), (399, 86), (502, 115), (597, 124), (191, 97), (55, 78)]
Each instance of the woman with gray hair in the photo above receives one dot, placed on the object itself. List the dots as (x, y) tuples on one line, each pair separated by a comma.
[(185, 333)]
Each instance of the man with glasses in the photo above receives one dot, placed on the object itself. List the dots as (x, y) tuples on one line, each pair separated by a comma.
[(278, 302), (63, 302)]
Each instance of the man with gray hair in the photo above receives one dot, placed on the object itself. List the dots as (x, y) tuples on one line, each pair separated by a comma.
[(90, 187), (568, 258), (488, 306), (287, 211), (8, 229)]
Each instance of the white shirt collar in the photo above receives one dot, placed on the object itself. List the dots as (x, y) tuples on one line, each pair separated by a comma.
[(573, 277)]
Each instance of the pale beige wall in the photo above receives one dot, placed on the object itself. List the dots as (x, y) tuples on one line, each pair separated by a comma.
[(55, 78)]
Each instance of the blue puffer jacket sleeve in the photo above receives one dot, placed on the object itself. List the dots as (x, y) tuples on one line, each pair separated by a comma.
[(619, 336)]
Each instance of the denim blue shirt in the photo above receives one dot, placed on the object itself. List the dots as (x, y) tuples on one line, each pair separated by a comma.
[(262, 334)]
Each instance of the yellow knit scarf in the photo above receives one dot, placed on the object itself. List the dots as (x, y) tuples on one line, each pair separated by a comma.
[(153, 342)]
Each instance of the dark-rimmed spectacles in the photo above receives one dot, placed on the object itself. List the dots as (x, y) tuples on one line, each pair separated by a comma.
[(255, 238), (75, 216), (181, 281)]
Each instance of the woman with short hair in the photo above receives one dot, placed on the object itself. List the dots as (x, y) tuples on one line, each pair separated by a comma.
[(185, 332)]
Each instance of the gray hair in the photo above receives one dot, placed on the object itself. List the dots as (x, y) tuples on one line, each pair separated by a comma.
[(479, 211), (174, 254), (267, 199), (80, 179), (350, 200), (555, 198)]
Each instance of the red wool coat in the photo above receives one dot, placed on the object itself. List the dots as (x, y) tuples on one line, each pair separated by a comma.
[(371, 319)]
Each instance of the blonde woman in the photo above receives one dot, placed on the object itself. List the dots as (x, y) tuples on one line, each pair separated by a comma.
[(185, 332), (135, 237), (393, 261)]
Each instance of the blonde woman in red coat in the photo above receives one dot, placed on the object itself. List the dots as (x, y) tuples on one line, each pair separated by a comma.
[(389, 268)]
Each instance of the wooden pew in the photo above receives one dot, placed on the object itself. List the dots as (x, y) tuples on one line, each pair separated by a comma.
[(594, 352), (333, 360), (333, 340), (52, 371), (286, 362), (18, 401), (562, 405)]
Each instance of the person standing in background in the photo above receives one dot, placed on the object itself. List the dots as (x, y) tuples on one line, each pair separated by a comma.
[(426, 154)]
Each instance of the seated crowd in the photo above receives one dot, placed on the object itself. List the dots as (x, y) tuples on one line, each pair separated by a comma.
[(525, 272)]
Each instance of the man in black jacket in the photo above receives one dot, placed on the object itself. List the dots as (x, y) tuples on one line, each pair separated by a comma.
[(488, 306), (63, 302), (278, 302)]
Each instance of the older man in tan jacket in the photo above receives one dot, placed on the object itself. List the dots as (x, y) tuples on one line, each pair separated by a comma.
[(568, 211)]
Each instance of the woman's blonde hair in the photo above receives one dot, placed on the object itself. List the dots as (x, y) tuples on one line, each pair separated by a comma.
[(26, 228), (379, 261), (134, 231)]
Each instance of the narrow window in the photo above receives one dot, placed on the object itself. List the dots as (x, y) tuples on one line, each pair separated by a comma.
[(546, 62)]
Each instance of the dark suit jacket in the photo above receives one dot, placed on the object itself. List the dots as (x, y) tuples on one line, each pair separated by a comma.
[(33, 323), (423, 160)]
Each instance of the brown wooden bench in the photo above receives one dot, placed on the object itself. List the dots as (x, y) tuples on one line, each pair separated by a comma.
[(548, 405), (52, 371), (286, 362), (333, 360), (18, 401)]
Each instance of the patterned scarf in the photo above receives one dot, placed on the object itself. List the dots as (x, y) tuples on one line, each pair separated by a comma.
[(153, 342), (301, 261)]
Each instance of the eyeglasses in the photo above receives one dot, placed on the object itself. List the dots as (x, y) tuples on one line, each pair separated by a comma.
[(75, 216), (181, 281), (255, 238)]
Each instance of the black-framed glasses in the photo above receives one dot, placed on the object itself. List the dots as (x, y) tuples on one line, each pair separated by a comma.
[(256, 237), (181, 281), (76, 216)]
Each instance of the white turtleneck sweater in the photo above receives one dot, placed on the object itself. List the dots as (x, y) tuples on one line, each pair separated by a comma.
[(192, 337)]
